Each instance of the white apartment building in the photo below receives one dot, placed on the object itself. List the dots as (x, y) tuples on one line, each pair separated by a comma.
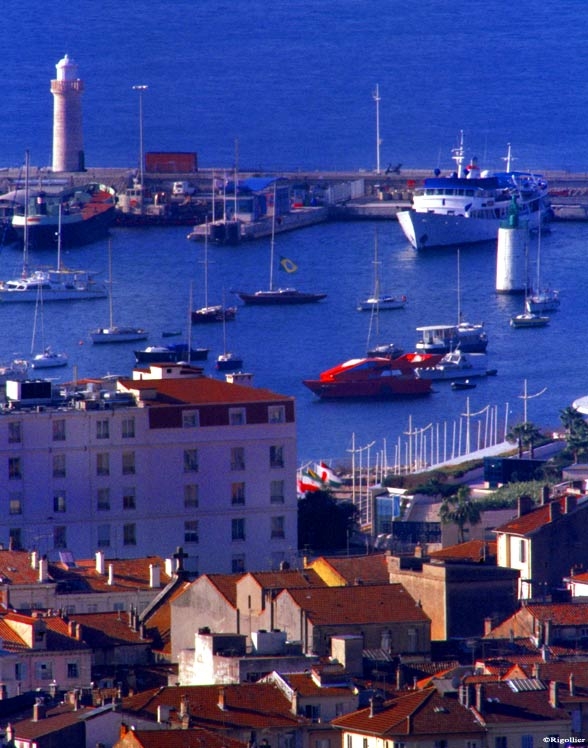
[(168, 458)]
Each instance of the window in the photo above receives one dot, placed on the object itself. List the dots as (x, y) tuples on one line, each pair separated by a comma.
[(190, 419), (237, 458), (522, 551), (349, 741), (412, 636), (440, 744), (277, 527), (312, 712), (103, 429), (103, 463), (277, 457), (15, 538), (128, 428), (238, 528), (59, 501), (59, 466), (103, 499), (14, 468), (276, 414), (277, 492), (500, 742), (129, 534), (73, 670), (129, 499), (238, 563), (190, 460), (191, 498), (20, 670), (128, 463), (103, 536), (237, 417), (238, 493), (43, 671), (191, 531), (59, 537), (14, 432), (58, 427), (15, 503)]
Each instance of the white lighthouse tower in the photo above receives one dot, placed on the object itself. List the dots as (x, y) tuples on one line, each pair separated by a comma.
[(68, 145)]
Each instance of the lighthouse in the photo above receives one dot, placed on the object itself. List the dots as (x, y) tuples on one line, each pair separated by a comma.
[(67, 89)]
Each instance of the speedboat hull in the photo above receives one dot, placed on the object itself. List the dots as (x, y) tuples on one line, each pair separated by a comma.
[(280, 296)]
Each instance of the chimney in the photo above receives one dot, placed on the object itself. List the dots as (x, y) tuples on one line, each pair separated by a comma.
[(221, 699), (100, 562), (184, 706), (487, 626), (572, 685), (39, 710), (553, 695), (480, 698), (400, 677), (43, 570), (154, 576), (466, 695), (570, 503), (548, 632), (535, 670), (71, 629), (554, 510), (110, 574), (525, 505), (169, 567), (34, 560), (294, 707)]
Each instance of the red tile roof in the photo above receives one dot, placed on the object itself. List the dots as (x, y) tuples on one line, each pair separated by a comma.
[(182, 739), (306, 686), (242, 706), (537, 518), (380, 603), (472, 550), (128, 574), (560, 614), (371, 569), (291, 578), (502, 704), (197, 390), (101, 630), (414, 713)]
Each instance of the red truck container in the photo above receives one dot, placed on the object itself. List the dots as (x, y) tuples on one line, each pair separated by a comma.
[(171, 163)]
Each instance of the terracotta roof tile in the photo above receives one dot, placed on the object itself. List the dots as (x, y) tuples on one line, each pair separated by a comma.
[(537, 518), (128, 574), (105, 629), (184, 739), (359, 604), (306, 686), (292, 578), (502, 704), (560, 614), (242, 706), (371, 569), (472, 550)]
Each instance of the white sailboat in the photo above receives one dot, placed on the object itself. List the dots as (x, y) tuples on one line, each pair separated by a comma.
[(227, 361), (528, 318), (541, 299), (47, 359), (377, 299), (116, 333)]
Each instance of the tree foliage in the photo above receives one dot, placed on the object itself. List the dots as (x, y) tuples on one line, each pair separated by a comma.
[(524, 435), (324, 523), (576, 430), (460, 510)]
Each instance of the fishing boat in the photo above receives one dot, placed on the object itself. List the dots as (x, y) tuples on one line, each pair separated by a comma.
[(211, 312), (468, 206), (377, 299), (116, 333), (283, 296), (370, 378), (456, 365), (87, 210)]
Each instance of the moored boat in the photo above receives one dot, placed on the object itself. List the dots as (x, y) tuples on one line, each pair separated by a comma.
[(469, 206), (456, 365), (48, 359), (527, 319), (58, 285), (87, 212), (368, 378), (170, 354), (465, 385), (468, 337), (284, 296), (228, 362), (545, 300)]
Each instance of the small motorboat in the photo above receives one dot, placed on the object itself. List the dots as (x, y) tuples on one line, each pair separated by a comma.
[(228, 362), (170, 353), (463, 385), (48, 360), (529, 319)]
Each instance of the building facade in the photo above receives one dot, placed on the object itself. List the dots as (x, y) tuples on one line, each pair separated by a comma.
[(141, 466)]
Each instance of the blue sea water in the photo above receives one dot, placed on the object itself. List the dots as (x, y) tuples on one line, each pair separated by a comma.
[(289, 85)]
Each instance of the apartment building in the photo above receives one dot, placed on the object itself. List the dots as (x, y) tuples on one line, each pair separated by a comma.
[(143, 465)]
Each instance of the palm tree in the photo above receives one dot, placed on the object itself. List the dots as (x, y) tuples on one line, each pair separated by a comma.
[(571, 419), (576, 431), (524, 434), (460, 510)]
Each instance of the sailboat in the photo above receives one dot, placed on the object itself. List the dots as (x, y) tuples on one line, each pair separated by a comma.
[(116, 333), (175, 352), (528, 318), (541, 300), (381, 301), (273, 296), (227, 361), (467, 336), (47, 359), (215, 312)]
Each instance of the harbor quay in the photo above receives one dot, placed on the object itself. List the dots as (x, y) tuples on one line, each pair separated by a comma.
[(348, 195)]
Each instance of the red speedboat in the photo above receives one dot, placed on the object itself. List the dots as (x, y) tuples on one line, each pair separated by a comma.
[(369, 378)]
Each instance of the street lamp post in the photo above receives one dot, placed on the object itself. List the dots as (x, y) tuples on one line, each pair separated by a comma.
[(140, 89)]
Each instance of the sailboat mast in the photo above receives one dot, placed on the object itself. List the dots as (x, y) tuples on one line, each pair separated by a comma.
[(25, 239), (205, 265), (272, 243), (458, 289), (110, 283), (59, 238)]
